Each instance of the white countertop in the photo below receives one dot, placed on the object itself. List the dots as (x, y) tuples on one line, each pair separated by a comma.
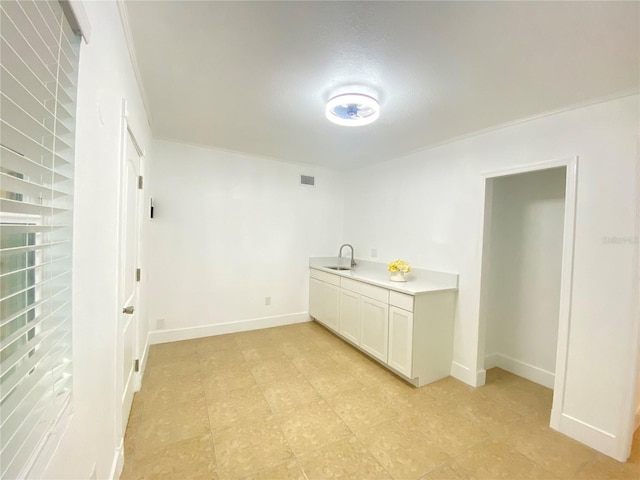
[(418, 281)]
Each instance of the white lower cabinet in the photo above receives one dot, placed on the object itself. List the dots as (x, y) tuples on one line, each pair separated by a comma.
[(324, 301), (331, 311), (349, 326), (401, 341), (375, 328), (364, 316), (315, 298), (410, 334)]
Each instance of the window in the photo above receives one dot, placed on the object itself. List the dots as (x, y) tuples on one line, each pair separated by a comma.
[(38, 73)]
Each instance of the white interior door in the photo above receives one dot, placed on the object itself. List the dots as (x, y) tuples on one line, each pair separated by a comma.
[(129, 262)]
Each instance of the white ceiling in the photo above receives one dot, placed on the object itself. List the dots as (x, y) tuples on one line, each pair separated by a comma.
[(254, 77)]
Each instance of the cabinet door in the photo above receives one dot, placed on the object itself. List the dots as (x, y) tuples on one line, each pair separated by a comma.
[(331, 305), (401, 341), (315, 298), (349, 324), (375, 327)]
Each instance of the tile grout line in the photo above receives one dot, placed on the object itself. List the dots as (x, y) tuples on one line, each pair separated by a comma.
[(452, 458), (206, 401), (294, 456), (277, 422), (352, 435), (273, 414)]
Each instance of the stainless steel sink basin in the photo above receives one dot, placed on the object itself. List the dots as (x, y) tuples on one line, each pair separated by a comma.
[(339, 268)]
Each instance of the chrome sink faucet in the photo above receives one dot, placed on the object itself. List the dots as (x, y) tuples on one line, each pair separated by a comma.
[(353, 262)]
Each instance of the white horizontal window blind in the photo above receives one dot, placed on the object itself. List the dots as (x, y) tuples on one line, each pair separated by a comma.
[(38, 61)]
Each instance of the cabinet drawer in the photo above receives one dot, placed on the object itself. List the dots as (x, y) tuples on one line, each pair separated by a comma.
[(401, 300), (371, 291), (325, 277)]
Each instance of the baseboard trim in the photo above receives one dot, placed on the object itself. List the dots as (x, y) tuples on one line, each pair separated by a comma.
[(189, 333), (522, 369), (466, 375), (491, 360), (591, 436)]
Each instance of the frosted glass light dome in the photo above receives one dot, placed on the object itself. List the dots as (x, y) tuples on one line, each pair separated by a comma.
[(352, 110)]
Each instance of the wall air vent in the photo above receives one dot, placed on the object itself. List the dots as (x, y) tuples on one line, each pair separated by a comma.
[(307, 180)]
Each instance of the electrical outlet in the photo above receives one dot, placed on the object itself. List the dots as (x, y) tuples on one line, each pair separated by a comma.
[(267, 300), (160, 324), (374, 252)]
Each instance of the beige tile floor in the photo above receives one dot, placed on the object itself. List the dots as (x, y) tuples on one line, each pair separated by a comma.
[(296, 402)]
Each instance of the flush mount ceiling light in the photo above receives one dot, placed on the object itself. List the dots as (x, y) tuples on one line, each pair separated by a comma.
[(352, 109)]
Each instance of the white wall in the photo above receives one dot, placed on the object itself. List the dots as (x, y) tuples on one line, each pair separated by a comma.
[(523, 278), (230, 230), (427, 208), (105, 78)]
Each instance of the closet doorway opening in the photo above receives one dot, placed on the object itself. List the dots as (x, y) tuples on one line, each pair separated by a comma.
[(527, 257)]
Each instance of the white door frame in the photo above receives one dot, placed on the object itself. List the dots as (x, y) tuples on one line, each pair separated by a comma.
[(566, 273), (126, 132)]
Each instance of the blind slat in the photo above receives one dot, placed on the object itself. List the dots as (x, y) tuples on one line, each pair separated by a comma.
[(14, 206), (26, 124), (51, 299), (31, 248), (70, 50), (42, 272), (37, 320), (20, 94), (15, 162), (62, 129), (47, 304), (40, 385), (12, 62), (9, 183), (64, 111), (35, 16), (22, 143), (38, 64), (22, 228), (39, 395), (46, 359), (33, 285), (12, 34), (57, 398), (30, 33), (44, 342), (52, 262), (66, 81), (63, 97)]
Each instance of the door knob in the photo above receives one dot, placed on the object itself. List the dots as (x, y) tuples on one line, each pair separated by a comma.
[(128, 310)]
